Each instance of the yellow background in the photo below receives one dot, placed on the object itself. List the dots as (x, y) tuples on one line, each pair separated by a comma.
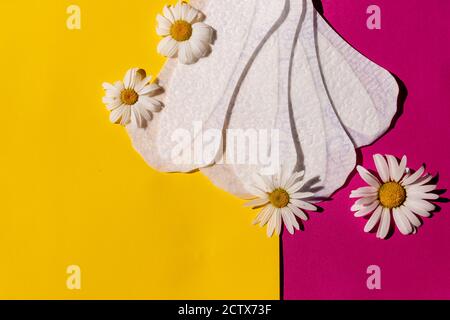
[(73, 191)]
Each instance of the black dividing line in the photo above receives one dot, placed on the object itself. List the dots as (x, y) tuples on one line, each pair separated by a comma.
[(281, 269)]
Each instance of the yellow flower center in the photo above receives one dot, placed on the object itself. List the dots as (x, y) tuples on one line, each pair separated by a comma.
[(181, 30), (129, 96), (392, 195), (279, 198)]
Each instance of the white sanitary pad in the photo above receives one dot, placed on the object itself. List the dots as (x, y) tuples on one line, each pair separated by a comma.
[(276, 66)]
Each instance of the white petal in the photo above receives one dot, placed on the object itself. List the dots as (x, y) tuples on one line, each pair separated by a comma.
[(416, 195), (401, 169), (131, 78), (363, 195), (423, 180), (293, 178), (279, 221), (374, 218), (256, 202), (267, 214), (298, 212), (202, 32), (112, 104), (260, 215), (112, 94), (287, 221), (162, 32), (301, 195), (141, 84), (144, 112), (126, 116), (272, 224), (168, 47), (164, 26), (393, 167), (176, 10), (119, 86), (107, 99), (149, 89), (295, 187), (109, 87), (199, 48), (264, 214), (191, 15), (368, 177), (421, 188), (116, 114), (365, 210), (402, 222), (410, 216), (184, 9), (363, 202), (185, 53), (278, 178), (303, 204), (138, 118), (382, 167), (364, 192), (385, 223), (293, 220), (168, 14), (151, 104), (413, 178), (420, 207), (366, 200), (258, 218)]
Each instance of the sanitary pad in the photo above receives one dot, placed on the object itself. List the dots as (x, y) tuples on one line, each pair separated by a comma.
[(202, 93), (279, 72), (337, 95)]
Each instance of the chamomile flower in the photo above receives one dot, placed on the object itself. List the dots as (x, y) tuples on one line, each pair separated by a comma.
[(395, 194), (281, 201), (132, 99), (185, 36)]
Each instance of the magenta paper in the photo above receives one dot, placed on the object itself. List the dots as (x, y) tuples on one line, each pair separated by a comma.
[(330, 259)]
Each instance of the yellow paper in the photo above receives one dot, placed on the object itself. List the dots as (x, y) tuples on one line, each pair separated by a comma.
[(75, 193)]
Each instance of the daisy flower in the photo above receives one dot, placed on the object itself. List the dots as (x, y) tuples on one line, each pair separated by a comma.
[(185, 36), (281, 201), (132, 99), (396, 193)]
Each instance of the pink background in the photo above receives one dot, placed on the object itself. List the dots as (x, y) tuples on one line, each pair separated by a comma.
[(330, 258)]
